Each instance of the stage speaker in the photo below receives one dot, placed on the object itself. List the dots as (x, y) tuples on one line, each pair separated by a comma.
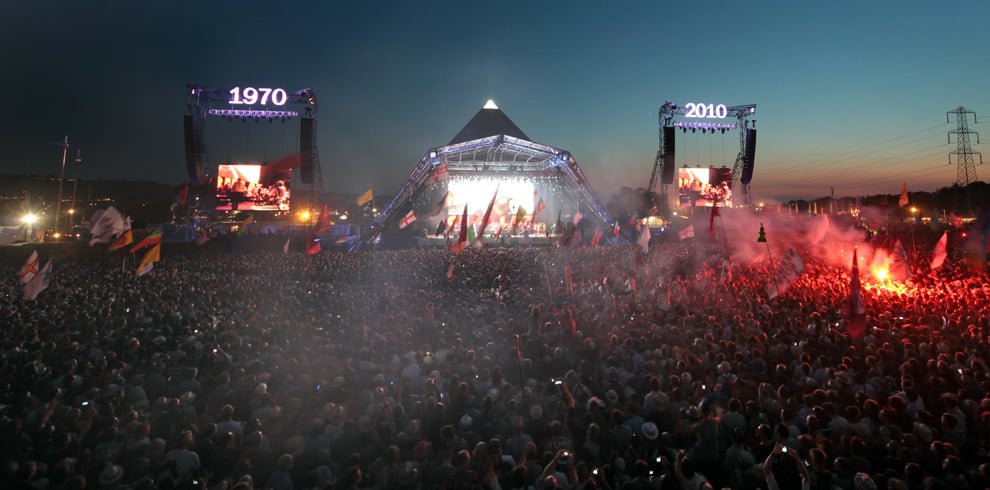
[(749, 155), (307, 130), (194, 157), (667, 177)]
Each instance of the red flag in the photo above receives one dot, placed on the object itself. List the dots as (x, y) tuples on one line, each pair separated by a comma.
[(440, 173), (462, 240), (711, 220), (313, 246), (856, 319), (616, 229), (903, 201), (488, 215), (29, 269), (540, 206), (322, 221)]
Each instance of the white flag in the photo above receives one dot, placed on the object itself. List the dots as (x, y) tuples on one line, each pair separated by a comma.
[(407, 219), (686, 232), (40, 282), (941, 251), (106, 224), (644, 239), (29, 269)]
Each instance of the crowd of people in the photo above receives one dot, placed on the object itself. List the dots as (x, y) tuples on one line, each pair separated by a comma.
[(496, 368)]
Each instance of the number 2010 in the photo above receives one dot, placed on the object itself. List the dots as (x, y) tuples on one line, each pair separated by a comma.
[(251, 96), (706, 110)]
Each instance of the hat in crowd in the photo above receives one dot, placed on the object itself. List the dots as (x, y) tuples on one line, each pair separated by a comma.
[(612, 396), (111, 474), (650, 431), (187, 397), (337, 382), (379, 378)]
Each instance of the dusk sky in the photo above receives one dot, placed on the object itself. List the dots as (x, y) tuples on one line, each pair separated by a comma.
[(851, 95)]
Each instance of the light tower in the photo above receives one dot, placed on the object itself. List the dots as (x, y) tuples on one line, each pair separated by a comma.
[(965, 165)]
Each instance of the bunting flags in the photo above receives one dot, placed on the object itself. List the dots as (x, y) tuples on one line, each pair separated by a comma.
[(153, 239), (126, 238), (856, 314), (462, 239), (711, 219), (39, 282), (29, 269), (365, 198), (941, 251), (686, 232), (150, 257), (440, 173), (407, 220), (903, 201)]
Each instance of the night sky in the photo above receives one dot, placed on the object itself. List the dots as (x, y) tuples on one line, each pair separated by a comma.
[(851, 95)]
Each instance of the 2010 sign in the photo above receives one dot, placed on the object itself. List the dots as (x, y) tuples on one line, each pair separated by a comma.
[(259, 95), (707, 111)]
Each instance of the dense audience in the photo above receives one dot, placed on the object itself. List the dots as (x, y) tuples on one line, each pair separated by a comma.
[(498, 368)]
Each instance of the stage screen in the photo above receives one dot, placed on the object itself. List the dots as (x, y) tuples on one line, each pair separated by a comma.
[(250, 187), (703, 186)]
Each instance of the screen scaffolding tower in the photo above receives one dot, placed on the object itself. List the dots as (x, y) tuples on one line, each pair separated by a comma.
[(665, 117), (204, 101)]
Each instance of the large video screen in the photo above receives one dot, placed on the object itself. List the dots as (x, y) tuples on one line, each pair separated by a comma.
[(704, 186), (252, 187)]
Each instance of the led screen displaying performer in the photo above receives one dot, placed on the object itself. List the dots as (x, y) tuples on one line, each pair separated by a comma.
[(704, 186), (244, 186)]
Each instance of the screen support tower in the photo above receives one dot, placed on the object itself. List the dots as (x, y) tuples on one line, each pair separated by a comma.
[(666, 119), (205, 101)]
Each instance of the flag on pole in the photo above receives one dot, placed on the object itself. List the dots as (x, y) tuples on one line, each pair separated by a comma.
[(711, 219), (126, 238), (941, 251), (462, 238), (615, 229), (597, 237), (644, 239), (39, 282), (686, 232), (365, 198), (29, 269), (323, 223), (285, 248), (440, 205), (107, 223), (203, 236), (577, 217), (313, 246), (153, 239), (903, 201), (899, 269), (407, 220), (180, 199), (788, 271), (540, 206), (150, 257), (488, 215), (856, 314)]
